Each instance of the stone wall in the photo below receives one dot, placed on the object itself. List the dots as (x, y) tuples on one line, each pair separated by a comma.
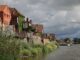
[(37, 39), (9, 31)]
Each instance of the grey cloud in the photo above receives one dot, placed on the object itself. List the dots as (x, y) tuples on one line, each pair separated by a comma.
[(57, 16)]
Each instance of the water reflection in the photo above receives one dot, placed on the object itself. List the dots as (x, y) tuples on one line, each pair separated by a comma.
[(41, 57)]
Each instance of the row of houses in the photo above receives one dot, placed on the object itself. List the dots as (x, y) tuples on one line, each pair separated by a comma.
[(10, 16), (11, 19)]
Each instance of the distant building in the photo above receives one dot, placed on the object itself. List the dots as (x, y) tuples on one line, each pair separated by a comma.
[(38, 28), (52, 36), (44, 35), (49, 36)]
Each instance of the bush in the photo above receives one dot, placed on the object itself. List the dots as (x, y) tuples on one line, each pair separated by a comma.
[(25, 52), (34, 51), (25, 45), (9, 48), (49, 48), (45, 50), (27, 49), (53, 44), (37, 49), (37, 45)]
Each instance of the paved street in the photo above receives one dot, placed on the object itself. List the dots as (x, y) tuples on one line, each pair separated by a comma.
[(65, 53)]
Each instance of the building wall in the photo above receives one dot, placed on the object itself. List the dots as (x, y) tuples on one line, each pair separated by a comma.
[(6, 15), (38, 28), (36, 39)]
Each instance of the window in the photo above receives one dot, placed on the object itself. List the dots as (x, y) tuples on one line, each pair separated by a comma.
[(25, 25)]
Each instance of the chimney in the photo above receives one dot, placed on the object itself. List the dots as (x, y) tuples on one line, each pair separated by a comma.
[(30, 21)]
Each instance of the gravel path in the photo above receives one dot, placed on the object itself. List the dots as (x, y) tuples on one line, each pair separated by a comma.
[(65, 53)]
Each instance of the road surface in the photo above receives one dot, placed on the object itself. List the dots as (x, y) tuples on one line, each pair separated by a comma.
[(65, 53)]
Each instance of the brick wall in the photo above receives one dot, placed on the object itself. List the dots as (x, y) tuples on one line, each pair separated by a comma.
[(38, 27), (5, 15)]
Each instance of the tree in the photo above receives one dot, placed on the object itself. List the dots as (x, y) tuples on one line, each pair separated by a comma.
[(76, 40), (20, 22)]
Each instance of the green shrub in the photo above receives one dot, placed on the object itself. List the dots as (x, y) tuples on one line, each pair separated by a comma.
[(37, 45), (34, 51), (9, 48), (53, 45), (49, 47), (25, 52), (45, 50), (39, 50), (25, 45)]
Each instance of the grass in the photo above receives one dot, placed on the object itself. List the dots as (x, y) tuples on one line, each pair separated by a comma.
[(35, 50), (9, 48), (25, 52)]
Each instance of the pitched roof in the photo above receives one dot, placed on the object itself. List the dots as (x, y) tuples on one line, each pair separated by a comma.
[(2, 7), (37, 25), (15, 12)]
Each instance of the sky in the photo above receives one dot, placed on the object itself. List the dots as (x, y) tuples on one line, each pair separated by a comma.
[(61, 17)]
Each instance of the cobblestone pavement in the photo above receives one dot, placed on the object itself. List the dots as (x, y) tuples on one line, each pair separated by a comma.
[(65, 53)]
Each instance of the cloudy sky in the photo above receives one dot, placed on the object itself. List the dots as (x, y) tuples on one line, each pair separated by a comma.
[(61, 17)]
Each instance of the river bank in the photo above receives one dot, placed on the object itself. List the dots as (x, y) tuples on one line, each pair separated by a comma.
[(11, 48), (36, 49)]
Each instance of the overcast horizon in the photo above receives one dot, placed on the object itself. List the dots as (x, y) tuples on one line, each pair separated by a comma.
[(61, 17)]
